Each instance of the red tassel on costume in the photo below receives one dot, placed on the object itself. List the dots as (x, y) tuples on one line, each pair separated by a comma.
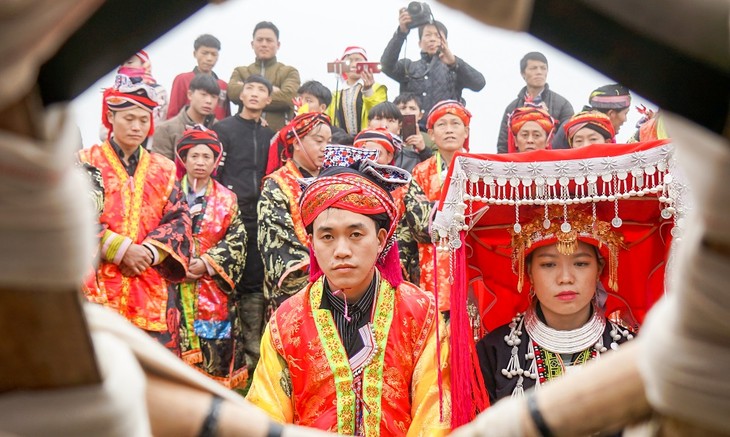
[(315, 271), (468, 393), (390, 268)]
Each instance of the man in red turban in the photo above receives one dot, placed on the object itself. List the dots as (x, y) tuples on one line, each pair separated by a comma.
[(328, 348)]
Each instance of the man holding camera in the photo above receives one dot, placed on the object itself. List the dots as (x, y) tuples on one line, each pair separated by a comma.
[(439, 74)]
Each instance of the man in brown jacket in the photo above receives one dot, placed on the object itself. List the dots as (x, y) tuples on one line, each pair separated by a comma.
[(284, 78)]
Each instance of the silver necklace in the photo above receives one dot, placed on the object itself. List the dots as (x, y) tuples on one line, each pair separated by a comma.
[(565, 342)]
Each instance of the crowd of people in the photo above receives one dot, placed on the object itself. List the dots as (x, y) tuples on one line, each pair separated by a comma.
[(285, 249)]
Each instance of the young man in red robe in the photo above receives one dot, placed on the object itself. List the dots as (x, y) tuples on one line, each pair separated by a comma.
[(357, 350), (146, 234)]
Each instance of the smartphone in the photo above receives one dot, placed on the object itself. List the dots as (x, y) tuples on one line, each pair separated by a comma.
[(337, 67), (373, 67), (408, 127)]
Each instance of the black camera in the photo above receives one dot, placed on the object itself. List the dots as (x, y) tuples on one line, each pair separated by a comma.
[(420, 14)]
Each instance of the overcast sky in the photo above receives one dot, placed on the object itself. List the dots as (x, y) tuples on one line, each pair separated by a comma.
[(315, 32)]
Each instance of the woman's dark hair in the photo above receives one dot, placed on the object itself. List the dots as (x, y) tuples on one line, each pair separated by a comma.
[(385, 110)]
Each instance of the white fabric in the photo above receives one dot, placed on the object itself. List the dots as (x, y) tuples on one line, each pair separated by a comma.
[(46, 222), (503, 419), (687, 336)]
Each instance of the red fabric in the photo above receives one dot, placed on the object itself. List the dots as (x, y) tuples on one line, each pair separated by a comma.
[(296, 338), (179, 96), (489, 264), (427, 175), (221, 205), (154, 213), (484, 266)]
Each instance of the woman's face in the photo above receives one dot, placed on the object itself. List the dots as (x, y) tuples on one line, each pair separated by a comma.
[(564, 284), (586, 137)]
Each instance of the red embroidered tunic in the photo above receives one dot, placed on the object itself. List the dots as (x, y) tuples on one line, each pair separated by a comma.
[(147, 207)]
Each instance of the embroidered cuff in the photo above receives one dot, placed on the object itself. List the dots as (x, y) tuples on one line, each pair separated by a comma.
[(113, 246)]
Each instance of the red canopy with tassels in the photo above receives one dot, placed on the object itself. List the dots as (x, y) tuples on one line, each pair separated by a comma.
[(486, 195)]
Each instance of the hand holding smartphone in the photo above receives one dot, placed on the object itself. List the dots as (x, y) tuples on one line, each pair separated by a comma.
[(408, 127), (372, 67)]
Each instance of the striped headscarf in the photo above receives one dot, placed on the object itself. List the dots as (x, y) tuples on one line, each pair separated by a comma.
[(613, 96), (595, 120), (126, 95), (299, 128), (522, 115), (192, 137)]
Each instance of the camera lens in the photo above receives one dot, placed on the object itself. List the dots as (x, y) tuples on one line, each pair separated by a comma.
[(415, 8)]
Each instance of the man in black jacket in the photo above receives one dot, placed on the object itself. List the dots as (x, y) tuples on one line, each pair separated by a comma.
[(438, 75), (246, 152), (534, 70)]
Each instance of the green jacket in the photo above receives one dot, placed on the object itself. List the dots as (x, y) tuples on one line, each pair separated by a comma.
[(280, 111)]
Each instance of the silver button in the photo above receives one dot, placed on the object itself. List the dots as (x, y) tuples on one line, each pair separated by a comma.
[(424, 94), (425, 77)]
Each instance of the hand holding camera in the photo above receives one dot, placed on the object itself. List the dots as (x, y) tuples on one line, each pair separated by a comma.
[(415, 15)]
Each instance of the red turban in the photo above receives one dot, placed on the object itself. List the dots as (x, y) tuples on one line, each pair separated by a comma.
[(522, 115), (349, 183), (125, 95)]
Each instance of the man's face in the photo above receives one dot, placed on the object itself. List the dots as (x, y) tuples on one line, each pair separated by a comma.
[(430, 41), (449, 133), (410, 108), (347, 245), (617, 117), (310, 152), (130, 127), (255, 96), (531, 136), (314, 104), (199, 162), (206, 57), (535, 73), (201, 102), (265, 44)]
